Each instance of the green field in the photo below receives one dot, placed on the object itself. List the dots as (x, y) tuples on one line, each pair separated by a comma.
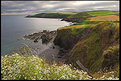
[(102, 13)]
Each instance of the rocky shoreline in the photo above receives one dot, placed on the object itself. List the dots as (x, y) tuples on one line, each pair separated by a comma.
[(47, 37)]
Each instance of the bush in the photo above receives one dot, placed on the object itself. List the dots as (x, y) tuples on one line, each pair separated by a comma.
[(18, 67)]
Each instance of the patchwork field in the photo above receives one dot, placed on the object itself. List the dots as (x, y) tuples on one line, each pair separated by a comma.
[(102, 13), (105, 18)]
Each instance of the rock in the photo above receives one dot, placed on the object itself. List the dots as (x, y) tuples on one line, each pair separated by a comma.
[(53, 47), (62, 52), (45, 31), (45, 35), (44, 38), (36, 40), (59, 57)]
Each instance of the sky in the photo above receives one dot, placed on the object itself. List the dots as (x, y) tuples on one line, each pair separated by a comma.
[(33, 7)]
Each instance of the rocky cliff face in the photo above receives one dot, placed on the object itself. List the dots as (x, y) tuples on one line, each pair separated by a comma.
[(65, 40), (96, 46)]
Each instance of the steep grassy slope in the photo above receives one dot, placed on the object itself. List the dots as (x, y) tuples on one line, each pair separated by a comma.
[(67, 37), (94, 39), (93, 50), (91, 44)]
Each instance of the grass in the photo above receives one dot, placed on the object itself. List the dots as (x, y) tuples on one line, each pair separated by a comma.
[(71, 13), (102, 13), (18, 67), (89, 50), (26, 66), (105, 18), (74, 32), (51, 15), (74, 27)]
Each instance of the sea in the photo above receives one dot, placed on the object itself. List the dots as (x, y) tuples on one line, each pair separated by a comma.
[(14, 27)]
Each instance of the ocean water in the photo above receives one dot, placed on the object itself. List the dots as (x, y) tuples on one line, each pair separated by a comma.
[(14, 27)]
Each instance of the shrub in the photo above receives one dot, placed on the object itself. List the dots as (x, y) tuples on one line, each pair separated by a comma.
[(19, 67)]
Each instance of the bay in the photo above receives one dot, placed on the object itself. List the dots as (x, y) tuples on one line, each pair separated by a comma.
[(14, 27)]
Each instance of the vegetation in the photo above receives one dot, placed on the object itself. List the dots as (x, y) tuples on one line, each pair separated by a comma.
[(70, 13), (51, 15), (89, 42), (93, 40), (102, 13), (19, 67), (95, 45), (105, 18), (80, 17)]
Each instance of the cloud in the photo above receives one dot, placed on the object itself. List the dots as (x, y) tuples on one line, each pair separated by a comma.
[(32, 7)]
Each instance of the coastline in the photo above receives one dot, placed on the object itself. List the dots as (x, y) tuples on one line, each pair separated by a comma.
[(23, 26), (89, 46), (70, 41), (51, 52)]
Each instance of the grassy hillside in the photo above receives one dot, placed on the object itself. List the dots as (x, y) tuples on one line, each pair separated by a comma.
[(105, 18), (94, 40), (80, 17), (52, 15), (102, 13), (95, 45), (91, 48)]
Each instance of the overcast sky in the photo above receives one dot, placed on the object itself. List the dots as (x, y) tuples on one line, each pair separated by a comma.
[(32, 7)]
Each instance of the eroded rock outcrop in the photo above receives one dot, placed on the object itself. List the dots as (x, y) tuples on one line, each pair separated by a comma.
[(45, 35)]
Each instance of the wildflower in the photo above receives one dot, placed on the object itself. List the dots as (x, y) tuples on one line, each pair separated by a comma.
[(110, 78), (5, 55), (80, 78), (25, 77)]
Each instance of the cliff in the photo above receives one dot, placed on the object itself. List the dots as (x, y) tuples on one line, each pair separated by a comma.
[(94, 43), (93, 40), (96, 46)]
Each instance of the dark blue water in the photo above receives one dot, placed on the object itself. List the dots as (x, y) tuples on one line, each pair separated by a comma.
[(15, 27)]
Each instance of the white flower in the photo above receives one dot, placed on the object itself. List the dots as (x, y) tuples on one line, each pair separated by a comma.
[(25, 77), (5, 55), (110, 78)]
